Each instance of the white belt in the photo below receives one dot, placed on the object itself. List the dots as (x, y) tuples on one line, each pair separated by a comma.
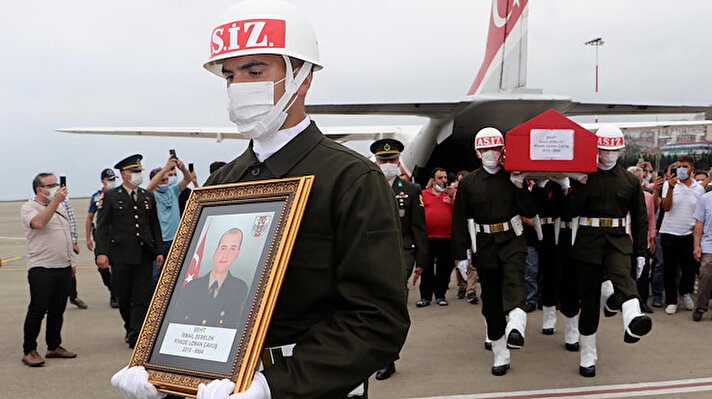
[(514, 223), (273, 354), (498, 227), (602, 222)]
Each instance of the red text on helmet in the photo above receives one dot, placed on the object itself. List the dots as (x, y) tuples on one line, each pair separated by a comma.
[(247, 34), (610, 141), (489, 141)]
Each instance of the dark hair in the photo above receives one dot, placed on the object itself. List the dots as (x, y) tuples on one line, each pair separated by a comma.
[(462, 173), (216, 165), (436, 170), (233, 230), (701, 172), (36, 181), (686, 158), (154, 172)]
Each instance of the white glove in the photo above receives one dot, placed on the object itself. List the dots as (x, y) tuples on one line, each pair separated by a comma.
[(563, 182), (542, 182), (641, 265), (581, 177), (462, 267), (221, 389), (133, 384)]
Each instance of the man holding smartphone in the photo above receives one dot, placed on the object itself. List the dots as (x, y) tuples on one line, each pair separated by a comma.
[(166, 189)]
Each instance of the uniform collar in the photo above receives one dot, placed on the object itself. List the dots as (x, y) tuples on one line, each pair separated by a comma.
[(283, 160), (264, 149)]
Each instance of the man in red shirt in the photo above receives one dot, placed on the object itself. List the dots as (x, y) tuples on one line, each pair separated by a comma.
[(438, 201)]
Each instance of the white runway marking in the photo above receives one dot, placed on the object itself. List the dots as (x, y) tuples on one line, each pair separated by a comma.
[(603, 391), (12, 238)]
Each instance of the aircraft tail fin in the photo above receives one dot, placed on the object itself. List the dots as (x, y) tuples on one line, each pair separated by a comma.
[(504, 67)]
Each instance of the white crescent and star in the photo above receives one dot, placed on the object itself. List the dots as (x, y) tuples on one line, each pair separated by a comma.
[(497, 19)]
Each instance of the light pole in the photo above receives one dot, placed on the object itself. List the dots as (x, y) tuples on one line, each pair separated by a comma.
[(597, 42)]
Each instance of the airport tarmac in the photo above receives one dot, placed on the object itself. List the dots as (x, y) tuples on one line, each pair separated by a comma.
[(443, 355)]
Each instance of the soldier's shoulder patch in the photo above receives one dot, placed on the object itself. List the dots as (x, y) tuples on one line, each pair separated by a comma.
[(101, 202), (420, 197)]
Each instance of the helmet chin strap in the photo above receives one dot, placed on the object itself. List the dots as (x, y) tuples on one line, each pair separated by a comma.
[(292, 83)]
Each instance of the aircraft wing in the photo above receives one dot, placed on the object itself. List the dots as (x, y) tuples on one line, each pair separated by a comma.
[(578, 109), (339, 133), (430, 110), (644, 125)]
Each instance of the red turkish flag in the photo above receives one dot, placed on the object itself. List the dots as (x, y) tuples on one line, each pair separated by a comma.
[(194, 267)]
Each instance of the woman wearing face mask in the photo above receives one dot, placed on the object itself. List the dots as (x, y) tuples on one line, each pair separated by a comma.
[(486, 218), (602, 246)]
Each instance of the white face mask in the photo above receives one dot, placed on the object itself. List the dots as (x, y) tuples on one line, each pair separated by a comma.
[(390, 170), (491, 158), (136, 178), (608, 158), (50, 193), (110, 184), (252, 108), (439, 187)]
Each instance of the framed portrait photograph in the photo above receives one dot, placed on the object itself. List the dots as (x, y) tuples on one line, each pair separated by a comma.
[(212, 305)]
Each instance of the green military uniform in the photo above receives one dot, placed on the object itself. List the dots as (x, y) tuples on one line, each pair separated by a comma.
[(607, 250), (412, 216), (128, 232), (342, 300), (500, 257)]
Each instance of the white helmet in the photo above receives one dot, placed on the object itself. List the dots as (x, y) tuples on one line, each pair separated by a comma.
[(262, 27), (609, 138), (488, 137)]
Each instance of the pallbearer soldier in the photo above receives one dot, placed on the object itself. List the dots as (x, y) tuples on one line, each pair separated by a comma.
[(558, 277), (341, 312), (410, 211), (486, 218), (603, 246), (128, 239)]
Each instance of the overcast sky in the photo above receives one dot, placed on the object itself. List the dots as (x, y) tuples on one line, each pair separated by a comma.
[(86, 63)]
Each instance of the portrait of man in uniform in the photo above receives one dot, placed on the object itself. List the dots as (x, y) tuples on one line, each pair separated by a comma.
[(217, 298), (216, 287)]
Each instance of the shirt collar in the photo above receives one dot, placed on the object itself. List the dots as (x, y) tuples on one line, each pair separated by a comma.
[(283, 160), (264, 149), (492, 171)]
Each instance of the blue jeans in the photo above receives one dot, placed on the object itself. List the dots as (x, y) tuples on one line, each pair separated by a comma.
[(157, 271), (530, 275)]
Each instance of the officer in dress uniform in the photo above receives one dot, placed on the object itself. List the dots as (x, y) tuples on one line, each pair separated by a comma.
[(412, 215), (341, 312), (603, 247), (487, 218), (128, 240)]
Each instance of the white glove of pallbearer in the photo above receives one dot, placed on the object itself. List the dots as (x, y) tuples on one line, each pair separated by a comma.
[(221, 389)]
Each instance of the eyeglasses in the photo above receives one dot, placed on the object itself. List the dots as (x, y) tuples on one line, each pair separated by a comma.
[(53, 185)]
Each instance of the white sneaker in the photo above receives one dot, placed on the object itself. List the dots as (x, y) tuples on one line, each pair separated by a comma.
[(671, 309), (688, 302)]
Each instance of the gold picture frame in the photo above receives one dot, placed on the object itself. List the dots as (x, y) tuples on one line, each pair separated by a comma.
[(177, 348)]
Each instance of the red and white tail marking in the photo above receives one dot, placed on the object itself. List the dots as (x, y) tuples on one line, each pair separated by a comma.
[(504, 65)]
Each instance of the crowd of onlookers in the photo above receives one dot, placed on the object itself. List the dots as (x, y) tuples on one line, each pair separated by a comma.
[(679, 241)]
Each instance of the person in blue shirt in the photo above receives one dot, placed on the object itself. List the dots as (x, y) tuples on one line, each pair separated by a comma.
[(108, 181), (166, 189)]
